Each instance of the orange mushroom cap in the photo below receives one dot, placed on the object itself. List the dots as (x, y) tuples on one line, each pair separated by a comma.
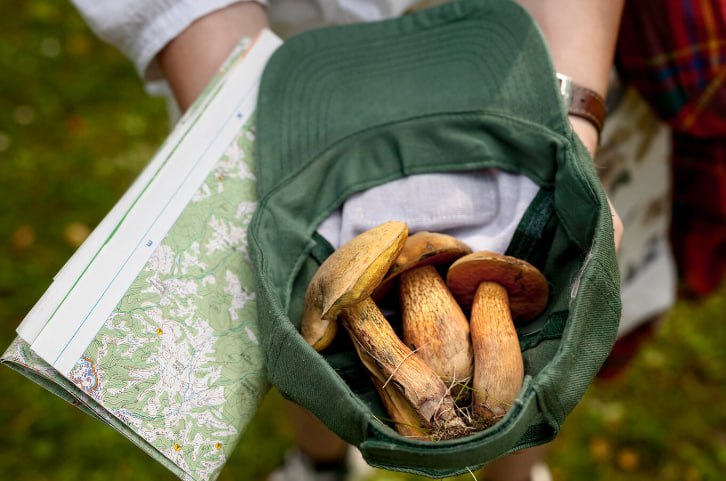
[(421, 249), (427, 248), (527, 287)]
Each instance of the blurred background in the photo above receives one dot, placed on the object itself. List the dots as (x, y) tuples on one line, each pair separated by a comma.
[(75, 129)]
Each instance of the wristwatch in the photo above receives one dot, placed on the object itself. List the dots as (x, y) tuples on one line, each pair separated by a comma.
[(582, 102)]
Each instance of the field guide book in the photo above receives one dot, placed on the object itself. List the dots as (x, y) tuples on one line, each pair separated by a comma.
[(151, 326)]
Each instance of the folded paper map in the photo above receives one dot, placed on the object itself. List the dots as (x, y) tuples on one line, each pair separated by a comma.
[(151, 325)]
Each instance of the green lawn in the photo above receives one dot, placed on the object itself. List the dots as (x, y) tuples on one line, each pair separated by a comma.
[(76, 127)]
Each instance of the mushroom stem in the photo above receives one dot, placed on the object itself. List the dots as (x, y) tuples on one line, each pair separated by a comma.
[(405, 418), (400, 366), (435, 326), (498, 366)]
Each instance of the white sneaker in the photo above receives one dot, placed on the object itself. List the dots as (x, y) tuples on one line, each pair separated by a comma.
[(297, 466), (358, 468), (540, 472)]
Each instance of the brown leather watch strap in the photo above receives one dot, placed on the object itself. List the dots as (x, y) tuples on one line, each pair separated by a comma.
[(582, 102)]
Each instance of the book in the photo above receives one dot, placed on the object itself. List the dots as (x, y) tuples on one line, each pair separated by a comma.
[(151, 325)]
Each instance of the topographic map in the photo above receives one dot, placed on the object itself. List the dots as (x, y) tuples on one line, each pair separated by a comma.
[(177, 367)]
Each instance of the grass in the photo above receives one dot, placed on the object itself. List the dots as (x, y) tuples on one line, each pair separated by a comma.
[(76, 127)]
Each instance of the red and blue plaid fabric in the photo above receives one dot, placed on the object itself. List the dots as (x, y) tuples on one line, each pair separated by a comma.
[(674, 53)]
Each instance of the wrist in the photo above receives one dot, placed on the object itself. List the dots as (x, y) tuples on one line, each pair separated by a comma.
[(587, 133)]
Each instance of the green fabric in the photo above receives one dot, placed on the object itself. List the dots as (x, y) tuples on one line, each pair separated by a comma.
[(535, 230), (468, 85)]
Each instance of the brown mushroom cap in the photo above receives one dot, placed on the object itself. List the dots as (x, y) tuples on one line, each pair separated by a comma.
[(427, 248), (422, 249), (527, 287), (347, 277)]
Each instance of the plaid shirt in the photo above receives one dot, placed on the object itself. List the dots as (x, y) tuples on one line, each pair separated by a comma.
[(674, 53)]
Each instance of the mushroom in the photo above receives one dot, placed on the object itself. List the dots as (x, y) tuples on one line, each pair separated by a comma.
[(348, 276), (433, 323), (499, 289), (341, 288)]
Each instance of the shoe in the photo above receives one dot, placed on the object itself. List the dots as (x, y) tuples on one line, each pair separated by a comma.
[(298, 466), (540, 472), (358, 468)]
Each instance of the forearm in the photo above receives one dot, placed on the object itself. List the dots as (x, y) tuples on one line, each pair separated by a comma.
[(581, 35), (191, 59)]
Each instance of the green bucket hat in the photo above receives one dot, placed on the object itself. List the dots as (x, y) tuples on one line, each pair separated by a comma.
[(468, 85)]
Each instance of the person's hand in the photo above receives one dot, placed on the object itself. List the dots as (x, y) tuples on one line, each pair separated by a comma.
[(618, 228), (589, 137)]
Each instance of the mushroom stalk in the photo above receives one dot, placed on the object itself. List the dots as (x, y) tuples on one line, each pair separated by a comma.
[(499, 370), (399, 366), (435, 326), (405, 418)]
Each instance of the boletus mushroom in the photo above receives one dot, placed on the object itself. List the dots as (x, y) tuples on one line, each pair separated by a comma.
[(341, 289), (500, 290), (348, 276), (433, 323)]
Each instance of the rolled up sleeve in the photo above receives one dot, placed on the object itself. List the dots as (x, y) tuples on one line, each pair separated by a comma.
[(141, 28)]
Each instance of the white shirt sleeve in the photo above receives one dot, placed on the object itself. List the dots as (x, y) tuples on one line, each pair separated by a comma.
[(141, 28)]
